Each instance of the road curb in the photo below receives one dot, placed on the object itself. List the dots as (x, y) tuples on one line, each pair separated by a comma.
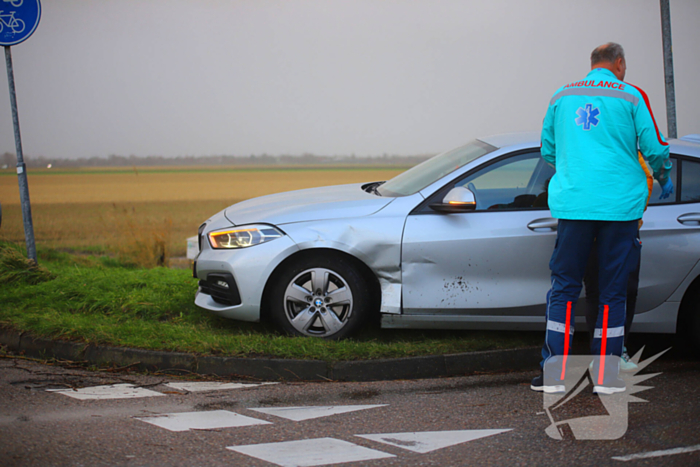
[(272, 369)]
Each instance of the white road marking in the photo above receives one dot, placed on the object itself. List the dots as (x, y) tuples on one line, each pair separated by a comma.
[(427, 441), (201, 420), (114, 391), (667, 452), (305, 413), (310, 452), (211, 386)]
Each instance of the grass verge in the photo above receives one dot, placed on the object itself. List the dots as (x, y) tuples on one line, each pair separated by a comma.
[(99, 300)]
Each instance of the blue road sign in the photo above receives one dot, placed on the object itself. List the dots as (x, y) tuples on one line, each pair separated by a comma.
[(18, 20)]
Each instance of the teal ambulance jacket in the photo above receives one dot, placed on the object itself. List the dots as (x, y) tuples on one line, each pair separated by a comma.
[(590, 135)]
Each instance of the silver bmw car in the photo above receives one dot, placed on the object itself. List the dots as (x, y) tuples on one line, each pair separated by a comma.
[(461, 241)]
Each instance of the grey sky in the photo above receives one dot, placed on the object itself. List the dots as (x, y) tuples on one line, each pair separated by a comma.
[(203, 77)]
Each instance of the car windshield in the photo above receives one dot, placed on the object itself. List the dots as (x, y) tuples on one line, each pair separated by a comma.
[(432, 170)]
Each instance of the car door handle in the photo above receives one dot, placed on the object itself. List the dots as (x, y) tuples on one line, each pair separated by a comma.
[(692, 218), (539, 225)]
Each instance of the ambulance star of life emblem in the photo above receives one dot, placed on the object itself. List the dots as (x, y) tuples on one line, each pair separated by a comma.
[(587, 116), (588, 416)]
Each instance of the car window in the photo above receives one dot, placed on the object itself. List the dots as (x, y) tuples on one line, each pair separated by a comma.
[(690, 181), (656, 190), (432, 170), (519, 182)]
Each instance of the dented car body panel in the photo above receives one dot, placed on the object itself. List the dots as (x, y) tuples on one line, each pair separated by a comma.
[(375, 240), (449, 265)]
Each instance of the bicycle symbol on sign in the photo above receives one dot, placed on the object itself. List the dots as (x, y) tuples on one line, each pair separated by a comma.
[(9, 20)]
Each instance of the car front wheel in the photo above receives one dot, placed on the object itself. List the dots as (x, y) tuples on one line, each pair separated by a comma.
[(320, 296)]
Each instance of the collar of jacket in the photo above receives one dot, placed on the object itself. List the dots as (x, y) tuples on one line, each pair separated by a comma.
[(604, 71)]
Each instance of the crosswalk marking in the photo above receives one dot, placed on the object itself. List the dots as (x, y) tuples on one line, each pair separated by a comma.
[(201, 386), (298, 453), (298, 414), (650, 454), (128, 391), (310, 452), (186, 421), (427, 441), (113, 391)]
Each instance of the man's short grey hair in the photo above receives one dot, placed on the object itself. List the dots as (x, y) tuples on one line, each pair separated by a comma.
[(609, 52)]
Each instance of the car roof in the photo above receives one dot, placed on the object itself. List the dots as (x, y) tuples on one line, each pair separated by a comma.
[(689, 144), (691, 138)]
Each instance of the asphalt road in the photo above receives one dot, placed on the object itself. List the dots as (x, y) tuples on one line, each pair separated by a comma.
[(437, 422)]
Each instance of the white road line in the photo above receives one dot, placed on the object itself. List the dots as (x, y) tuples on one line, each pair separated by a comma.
[(200, 386), (210, 420), (114, 391), (667, 452), (305, 413), (427, 441), (310, 452)]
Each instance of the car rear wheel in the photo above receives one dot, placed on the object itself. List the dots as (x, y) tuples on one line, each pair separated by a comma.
[(320, 296), (689, 320)]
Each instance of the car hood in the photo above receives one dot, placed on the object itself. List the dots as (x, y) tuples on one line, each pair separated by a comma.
[(332, 202)]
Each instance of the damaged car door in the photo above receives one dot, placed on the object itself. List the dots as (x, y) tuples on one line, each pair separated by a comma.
[(462, 269)]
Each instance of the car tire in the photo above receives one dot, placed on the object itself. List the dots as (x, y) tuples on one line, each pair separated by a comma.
[(688, 327), (320, 296)]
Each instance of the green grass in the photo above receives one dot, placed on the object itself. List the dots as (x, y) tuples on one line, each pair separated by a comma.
[(98, 300)]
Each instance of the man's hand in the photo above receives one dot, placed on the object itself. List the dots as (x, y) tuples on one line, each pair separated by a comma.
[(667, 189)]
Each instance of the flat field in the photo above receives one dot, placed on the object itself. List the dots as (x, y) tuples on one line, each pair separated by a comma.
[(110, 210)]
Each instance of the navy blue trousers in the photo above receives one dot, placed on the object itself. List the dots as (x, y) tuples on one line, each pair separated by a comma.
[(590, 281), (618, 249)]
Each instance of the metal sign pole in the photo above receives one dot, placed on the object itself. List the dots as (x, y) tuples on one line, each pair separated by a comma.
[(21, 167), (668, 68)]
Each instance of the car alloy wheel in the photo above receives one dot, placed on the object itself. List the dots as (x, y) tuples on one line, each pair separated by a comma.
[(318, 302), (320, 297)]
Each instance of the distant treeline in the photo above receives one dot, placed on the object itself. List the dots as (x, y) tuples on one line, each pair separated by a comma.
[(9, 160)]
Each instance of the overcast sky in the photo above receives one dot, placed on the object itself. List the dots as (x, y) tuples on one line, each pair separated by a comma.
[(207, 77)]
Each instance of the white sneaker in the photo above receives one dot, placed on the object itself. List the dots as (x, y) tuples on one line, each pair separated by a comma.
[(612, 387), (538, 384)]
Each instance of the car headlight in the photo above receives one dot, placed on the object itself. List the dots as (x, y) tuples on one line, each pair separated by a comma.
[(242, 237)]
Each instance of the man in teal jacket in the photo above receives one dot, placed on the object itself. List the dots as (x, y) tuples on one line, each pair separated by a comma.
[(591, 134)]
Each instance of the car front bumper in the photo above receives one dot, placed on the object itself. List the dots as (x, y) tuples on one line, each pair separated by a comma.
[(232, 281)]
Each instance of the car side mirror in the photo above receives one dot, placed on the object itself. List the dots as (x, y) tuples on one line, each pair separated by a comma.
[(458, 199)]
